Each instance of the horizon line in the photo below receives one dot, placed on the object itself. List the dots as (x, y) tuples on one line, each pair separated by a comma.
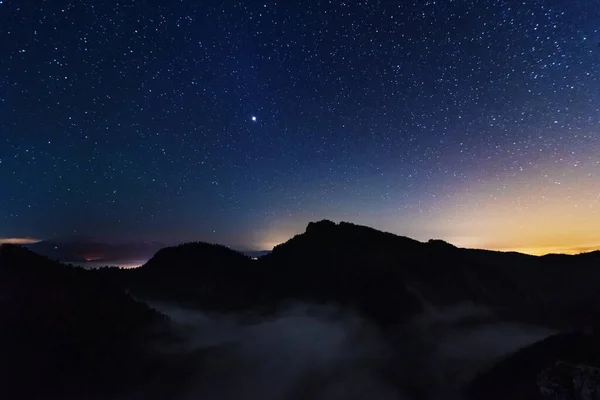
[(533, 250)]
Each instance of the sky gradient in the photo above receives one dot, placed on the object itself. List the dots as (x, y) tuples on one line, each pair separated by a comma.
[(477, 122)]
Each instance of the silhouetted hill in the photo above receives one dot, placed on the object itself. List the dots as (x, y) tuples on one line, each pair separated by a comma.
[(65, 332), (347, 264), (401, 274), (182, 259), (194, 274), (518, 376), (75, 333), (386, 277)]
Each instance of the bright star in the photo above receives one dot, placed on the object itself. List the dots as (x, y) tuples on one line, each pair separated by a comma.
[(253, 118)]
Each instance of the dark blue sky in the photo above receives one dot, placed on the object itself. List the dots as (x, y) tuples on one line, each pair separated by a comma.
[(133, 120)]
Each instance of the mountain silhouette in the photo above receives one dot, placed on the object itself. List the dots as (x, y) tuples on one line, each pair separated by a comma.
[(200, 275), (74, 333), (65, 333), (518, 376), (388, 278)]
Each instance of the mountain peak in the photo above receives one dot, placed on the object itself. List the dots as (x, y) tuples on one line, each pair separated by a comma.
[(320, 226), (441, 243), (194, 255)]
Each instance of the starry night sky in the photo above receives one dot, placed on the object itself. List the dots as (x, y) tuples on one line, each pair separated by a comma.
[(475, 121)]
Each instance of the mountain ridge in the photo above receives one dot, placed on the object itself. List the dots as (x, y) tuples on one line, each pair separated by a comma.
[(369, 269), (71, 333), (388, 280)]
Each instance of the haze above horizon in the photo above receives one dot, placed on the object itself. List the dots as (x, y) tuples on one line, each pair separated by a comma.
[(532, 250)]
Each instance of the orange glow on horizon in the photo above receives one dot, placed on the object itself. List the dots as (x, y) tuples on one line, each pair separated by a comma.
[(553, 208), (550, 207), (270, 244), (25, 240), (540, 251)]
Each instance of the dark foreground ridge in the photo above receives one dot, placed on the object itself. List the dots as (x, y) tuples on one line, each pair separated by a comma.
[(550, 367), (66, 333), (71, 333)]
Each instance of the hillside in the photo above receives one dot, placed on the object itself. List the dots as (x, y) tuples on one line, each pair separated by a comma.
[(74, 333), (531, 371), (65, 333), (387, 277), (199, 275)]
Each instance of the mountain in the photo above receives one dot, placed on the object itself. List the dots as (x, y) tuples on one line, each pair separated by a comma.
[(388, 278), (74, 333), (401, 274), (65, 333), (199, 275), (558, 367)]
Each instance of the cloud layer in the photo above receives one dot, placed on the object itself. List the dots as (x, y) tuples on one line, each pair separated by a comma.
[(15, 240), (326, 353)]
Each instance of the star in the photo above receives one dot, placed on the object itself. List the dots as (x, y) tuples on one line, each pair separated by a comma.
[(335, 142)]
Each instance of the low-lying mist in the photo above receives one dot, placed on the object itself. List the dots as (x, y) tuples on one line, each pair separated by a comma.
[(327, 353)]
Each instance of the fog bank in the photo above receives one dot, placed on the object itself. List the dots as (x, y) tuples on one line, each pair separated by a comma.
[(327, 353)]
